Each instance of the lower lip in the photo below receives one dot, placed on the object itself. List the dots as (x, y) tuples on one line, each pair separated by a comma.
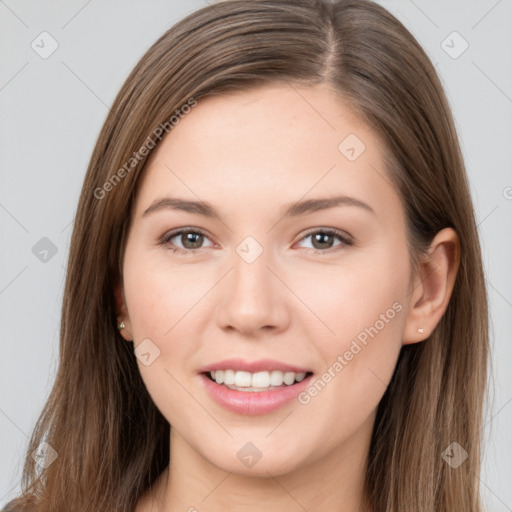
[(253, 403)]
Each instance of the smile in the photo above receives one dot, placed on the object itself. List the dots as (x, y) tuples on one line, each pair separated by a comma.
[(255, 382), (253, 400)]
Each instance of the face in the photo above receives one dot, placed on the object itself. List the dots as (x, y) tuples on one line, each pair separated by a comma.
[(268, 279)]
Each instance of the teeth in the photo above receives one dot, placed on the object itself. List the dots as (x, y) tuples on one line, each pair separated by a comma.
[(256, 381)]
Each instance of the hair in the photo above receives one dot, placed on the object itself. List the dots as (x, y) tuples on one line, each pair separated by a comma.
[(112, 441)]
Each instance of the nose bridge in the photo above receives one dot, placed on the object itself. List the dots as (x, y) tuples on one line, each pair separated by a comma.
[(251, 300), (251, 280), (251, 272)]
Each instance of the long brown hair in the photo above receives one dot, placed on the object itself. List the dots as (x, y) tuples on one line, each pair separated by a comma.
[(111, 440)]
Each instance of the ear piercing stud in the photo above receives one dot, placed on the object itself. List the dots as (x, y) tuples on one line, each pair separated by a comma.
[(420, 330), (122, 326)]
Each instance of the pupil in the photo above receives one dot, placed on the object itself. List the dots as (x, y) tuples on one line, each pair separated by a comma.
[(321, 238), (189, 237), (196, 239)]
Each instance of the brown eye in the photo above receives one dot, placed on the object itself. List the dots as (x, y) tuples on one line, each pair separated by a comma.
[(185, 240), (324, 239), (191, 240)]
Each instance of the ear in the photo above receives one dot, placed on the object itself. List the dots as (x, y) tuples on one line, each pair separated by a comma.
[(433, 286), (122, 313)]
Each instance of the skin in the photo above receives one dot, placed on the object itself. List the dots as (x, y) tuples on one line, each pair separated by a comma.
[(249, 154)]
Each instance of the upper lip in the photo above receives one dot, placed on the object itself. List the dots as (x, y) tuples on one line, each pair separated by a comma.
[(260, 365)]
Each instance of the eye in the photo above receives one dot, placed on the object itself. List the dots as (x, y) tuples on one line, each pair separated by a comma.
[(190, 239), (322, 239)]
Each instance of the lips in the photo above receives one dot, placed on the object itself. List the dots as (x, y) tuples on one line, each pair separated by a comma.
[(250, 399), (260, 365), (253, 403)]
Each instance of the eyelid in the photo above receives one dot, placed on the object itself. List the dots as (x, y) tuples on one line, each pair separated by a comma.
[(345, 238), (166, 237), (332, 231)]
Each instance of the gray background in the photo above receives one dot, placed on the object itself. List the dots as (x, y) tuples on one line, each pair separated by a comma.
[(51, 113)]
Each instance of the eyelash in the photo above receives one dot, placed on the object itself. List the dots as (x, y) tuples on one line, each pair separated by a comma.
[(345, 240)]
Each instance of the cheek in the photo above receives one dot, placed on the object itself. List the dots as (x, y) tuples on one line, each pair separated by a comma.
[(161, 308), (162, 299), (367, 288), (363, 310)]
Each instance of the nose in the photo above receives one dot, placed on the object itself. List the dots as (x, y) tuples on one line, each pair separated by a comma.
[(254, 299)]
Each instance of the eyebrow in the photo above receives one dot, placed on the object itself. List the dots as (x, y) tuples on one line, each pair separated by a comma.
[(291, 210)]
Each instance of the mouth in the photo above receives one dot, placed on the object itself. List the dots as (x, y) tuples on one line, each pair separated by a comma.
[(251, 394), (256, 382)]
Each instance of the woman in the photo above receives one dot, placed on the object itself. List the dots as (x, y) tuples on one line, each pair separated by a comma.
[(211, 360)]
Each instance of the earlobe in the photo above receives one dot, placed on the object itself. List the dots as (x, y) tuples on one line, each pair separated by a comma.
[(432, 288), (123, 319)]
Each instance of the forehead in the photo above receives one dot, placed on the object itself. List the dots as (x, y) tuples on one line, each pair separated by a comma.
[(275, 143)]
